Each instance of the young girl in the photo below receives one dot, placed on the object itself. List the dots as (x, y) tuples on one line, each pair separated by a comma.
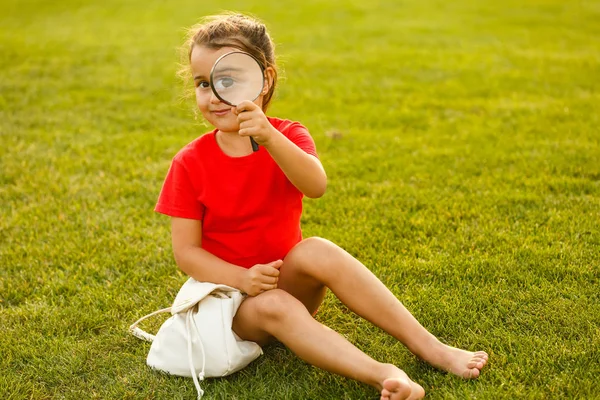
[(235, 220)]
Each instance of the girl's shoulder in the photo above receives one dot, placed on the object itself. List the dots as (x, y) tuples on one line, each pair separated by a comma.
[(296, 132), (287, 126), (197, 148)]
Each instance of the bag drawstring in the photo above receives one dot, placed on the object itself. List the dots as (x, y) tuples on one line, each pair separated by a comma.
[(189, 321), (140, 334), (196, 377)]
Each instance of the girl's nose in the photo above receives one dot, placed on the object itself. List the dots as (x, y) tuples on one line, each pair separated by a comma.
[(214, 99)]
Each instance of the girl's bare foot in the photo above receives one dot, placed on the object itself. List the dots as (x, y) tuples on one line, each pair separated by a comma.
[(398, 386), (466, 364)]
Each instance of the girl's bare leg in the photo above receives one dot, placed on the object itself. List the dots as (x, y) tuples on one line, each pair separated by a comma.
[(317, 263), (278, 314)]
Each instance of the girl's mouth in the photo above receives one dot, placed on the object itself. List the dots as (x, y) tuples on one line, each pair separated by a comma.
[(220, 113)]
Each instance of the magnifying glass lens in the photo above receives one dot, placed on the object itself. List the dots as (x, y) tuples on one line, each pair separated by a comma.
[(236, 77), (227, 82)]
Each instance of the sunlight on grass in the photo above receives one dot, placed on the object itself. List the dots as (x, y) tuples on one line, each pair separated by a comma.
[(462, 147)]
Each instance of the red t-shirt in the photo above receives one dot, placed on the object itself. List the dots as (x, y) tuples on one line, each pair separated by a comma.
[(250, 211)]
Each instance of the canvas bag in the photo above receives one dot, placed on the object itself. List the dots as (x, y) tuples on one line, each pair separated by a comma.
[(197, 340)]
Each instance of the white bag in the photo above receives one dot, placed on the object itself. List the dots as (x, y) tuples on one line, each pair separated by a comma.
[(199, 335)]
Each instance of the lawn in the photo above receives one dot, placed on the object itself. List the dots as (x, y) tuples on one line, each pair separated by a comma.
[(462, 145)]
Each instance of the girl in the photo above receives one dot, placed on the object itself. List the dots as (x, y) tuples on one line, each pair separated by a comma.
[(235, 220)]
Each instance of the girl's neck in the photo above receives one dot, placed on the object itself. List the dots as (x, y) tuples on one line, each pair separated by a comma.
[(232, 144)]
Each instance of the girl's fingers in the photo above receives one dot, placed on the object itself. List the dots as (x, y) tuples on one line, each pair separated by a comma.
[(266, 287), (270, 280), (246, 105), (245, 116), (248, 132), (270, 272), (247, 125)]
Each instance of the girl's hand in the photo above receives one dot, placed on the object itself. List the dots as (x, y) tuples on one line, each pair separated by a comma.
[(262, 277), (253, 122)]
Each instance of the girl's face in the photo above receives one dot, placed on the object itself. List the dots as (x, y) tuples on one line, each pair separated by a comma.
[(213, 110)]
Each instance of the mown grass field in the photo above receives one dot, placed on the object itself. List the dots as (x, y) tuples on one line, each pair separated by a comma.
[(462, 144)]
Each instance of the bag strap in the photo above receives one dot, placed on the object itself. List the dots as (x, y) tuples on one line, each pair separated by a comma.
[(190, 320), (141, 334)]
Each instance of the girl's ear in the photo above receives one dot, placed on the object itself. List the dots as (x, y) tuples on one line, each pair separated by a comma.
[(269, 75)]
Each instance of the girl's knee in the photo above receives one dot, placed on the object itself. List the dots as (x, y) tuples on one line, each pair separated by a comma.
[(275, 305), (315, 243), (311, 250), (312, 255)]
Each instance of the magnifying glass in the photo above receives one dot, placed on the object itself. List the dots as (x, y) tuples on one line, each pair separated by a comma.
[(235, 77)]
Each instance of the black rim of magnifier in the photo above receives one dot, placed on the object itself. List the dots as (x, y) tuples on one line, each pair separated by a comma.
[(212, 87), (262, 70)]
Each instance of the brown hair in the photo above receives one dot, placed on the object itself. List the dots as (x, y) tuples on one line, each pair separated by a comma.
[(238, 31)]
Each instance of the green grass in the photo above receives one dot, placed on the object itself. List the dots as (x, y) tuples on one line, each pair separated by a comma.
[(467, 177)]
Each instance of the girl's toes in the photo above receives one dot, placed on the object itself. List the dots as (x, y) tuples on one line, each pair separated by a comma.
[(471, 373), (397, 388)]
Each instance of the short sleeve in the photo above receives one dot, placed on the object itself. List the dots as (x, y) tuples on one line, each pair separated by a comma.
[(299, 135), (178, 196)]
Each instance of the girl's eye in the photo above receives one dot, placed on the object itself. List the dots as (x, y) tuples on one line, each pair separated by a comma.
[(224, 83), (203, 84)]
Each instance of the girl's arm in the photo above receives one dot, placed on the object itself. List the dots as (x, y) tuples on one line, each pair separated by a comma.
[(193, 260), (303, 170)]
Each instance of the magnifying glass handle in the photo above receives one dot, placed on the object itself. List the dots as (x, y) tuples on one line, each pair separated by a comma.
[(252, 141)]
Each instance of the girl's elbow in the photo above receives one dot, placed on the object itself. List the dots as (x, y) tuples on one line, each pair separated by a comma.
[(182, 258), (317, 191), (179, 260)]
